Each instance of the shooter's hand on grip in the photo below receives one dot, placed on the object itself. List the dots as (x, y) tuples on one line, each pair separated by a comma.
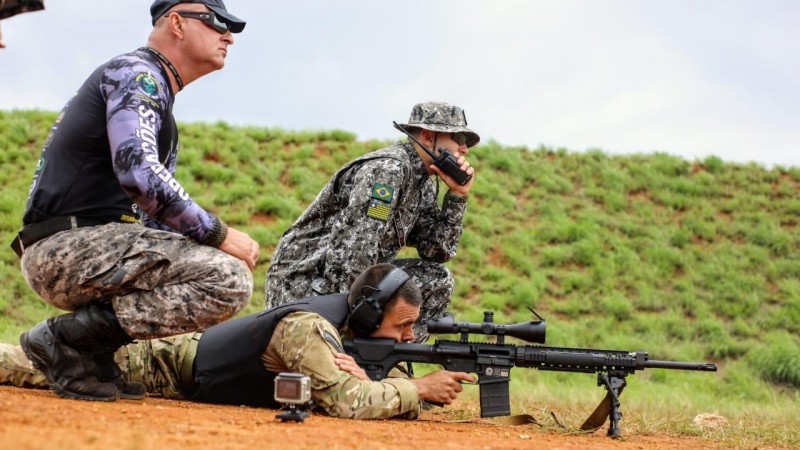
[(442, 386)]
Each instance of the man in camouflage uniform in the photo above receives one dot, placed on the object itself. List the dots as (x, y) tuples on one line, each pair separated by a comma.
[(190, 366), (108, 168), (373, 207)]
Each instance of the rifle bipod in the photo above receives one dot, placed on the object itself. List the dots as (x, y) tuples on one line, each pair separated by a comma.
[(614, 382)]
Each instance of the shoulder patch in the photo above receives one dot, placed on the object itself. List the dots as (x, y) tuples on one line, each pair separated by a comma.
[(147, 83), (40, 165), (382, 192), (381, 201), (333, 341), (379, 210)]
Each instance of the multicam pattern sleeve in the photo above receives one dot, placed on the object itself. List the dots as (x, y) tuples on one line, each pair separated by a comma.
[(138, 102), (300, 343)]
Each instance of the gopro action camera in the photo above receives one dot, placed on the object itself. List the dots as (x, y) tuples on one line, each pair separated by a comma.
[(292, 388)]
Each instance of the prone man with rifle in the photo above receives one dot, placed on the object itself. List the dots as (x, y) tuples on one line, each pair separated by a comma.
[(492, 362), (245, 361)]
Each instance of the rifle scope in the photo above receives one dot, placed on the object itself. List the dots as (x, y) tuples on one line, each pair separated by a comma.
[(527, 331)]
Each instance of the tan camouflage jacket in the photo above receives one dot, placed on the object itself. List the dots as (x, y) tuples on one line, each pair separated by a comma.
[(305, 342), (370, 209)]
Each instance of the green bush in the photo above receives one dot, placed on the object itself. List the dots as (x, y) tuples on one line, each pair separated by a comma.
[(617, 306), (778, 359)]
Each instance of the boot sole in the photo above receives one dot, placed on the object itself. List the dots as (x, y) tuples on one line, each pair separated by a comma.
[(130, 397), (57, 388), (70, 395)]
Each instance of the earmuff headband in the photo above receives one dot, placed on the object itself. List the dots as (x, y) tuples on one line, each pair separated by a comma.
[(364, 320)]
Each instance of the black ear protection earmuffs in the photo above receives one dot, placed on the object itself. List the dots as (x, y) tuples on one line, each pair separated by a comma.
[(366, 314)]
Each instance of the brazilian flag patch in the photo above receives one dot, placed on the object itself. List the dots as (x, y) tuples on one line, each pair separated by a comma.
[(380, 205), (383, 192)]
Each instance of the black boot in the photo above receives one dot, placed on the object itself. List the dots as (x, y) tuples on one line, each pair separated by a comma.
[(109, 371), (108, 337), (69, 373)]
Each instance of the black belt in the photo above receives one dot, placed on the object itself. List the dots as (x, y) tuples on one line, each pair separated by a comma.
[(34, 232)]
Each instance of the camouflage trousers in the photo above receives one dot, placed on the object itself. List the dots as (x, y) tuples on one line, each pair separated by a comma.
[(435, 282), (162, 365), (159, 283), (17, 370)]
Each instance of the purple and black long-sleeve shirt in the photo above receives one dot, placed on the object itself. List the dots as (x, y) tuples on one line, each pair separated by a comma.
[(112, 152)]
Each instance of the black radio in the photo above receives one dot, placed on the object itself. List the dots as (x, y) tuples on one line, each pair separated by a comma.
[(445, 161)]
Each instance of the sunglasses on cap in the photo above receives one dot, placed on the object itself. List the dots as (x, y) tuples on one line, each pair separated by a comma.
[(207, 18), (459, 138)]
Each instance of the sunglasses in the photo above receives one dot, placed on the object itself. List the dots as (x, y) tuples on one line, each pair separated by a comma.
[(207, 18), (459, 138)]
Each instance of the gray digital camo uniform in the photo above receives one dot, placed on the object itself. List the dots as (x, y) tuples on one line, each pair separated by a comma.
[(370, 209), (160, 283)]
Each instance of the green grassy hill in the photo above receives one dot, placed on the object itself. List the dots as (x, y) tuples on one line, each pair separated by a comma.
[(687, 260)]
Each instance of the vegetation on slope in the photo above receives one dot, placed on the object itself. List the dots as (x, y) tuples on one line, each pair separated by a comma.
[(687, 260)]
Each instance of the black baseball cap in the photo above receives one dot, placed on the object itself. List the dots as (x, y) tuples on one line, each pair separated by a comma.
[(235, 24)]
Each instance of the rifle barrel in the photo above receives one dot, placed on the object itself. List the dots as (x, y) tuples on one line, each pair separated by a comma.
[(701, 366)]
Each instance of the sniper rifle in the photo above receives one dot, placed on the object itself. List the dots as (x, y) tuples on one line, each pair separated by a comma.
[(492, 362)]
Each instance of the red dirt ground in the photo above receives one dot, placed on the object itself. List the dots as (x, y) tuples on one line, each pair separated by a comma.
[(38, 419)]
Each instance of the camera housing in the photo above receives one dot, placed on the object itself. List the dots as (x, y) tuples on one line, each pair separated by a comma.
[(292, 388)]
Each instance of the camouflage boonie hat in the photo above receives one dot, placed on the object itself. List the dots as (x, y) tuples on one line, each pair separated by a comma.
[(439, 116)]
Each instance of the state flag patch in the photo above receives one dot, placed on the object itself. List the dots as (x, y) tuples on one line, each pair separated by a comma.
[(379, 210)]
